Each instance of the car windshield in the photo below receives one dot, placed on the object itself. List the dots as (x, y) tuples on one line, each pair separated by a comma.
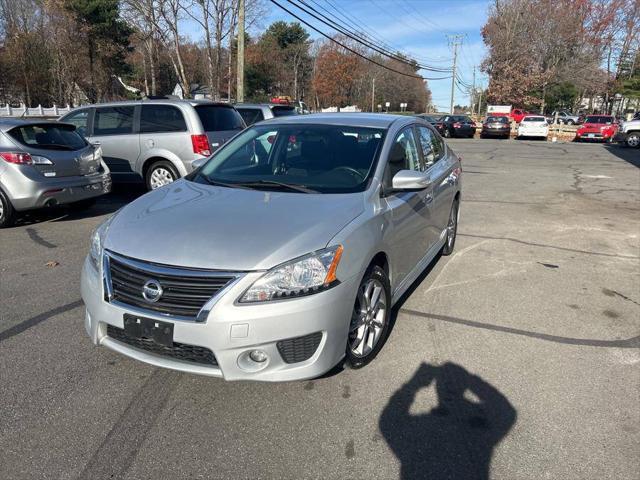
[(217, 118), (497, 120), (48, 136), (534, 119), (599, 119), (298, 158)]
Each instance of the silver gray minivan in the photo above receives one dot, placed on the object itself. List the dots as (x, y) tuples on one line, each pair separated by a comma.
[(156, 141), (282, 255), (44, 164)]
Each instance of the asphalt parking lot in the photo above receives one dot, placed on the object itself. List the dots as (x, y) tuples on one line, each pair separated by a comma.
[(515, 358)]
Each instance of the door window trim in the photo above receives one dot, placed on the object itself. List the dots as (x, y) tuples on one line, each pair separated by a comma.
[(135, 127)]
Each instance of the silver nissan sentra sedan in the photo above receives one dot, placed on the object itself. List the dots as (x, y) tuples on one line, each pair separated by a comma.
[(280, 256)]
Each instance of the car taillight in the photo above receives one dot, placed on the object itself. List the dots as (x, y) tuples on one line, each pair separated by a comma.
[(17, 157), (201, 145)]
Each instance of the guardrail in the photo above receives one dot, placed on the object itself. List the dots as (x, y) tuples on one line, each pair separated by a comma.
[(39, 111)]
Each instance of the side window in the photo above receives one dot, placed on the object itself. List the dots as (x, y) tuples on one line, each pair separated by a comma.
[(403, 155), (113, 121), (251, 115), (407, 141), (251, 155), (432, 146), (161, 118), (79, 119)]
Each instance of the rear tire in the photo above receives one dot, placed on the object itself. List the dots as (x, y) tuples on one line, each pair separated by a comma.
[(370, 319), (7, 212), (452, 228), (161, 173)]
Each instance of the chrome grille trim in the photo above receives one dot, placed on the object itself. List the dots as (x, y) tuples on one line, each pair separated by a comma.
[(148, 268)]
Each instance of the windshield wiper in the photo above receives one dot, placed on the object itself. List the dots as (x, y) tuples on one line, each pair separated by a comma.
[(217, 183), (273, 183)]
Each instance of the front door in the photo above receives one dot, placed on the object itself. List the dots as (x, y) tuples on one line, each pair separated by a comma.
[(409, 212)]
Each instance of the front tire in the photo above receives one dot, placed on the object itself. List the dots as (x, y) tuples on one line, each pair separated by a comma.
[(452, 228), (633, 140), (369, 325), (570, 122), (160, 174), (7, 212)]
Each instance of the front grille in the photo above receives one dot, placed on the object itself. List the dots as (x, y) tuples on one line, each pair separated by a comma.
[(179, 351), (184, 291), (299, 349)]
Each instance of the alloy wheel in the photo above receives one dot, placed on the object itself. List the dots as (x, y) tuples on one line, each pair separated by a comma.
[(368, 318), (633, 140), (1, 210), (160, 177), (452, 227)]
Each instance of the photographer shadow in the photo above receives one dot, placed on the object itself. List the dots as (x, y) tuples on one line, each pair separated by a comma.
[(455, 440)]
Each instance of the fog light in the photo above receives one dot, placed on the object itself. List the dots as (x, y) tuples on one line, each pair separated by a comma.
[(258, 356)]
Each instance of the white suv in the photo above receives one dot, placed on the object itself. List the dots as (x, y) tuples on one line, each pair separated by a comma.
[(629, 133)]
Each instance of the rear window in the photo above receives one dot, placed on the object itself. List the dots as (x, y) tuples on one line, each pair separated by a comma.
[(497, 120), (599, 119), (50, 137), (216, 118), (280, 111), (534, 119)]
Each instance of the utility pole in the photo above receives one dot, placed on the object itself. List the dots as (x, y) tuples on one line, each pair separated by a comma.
[(455, 41), (373, 94), (473, 90), (480, 101), (240, 79)]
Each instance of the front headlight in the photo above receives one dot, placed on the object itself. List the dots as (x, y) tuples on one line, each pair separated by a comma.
[(97, 242), (303, 276)]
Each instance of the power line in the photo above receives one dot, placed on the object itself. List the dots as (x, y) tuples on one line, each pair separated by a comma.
[(309, 10), (352, 22), (328, 37)]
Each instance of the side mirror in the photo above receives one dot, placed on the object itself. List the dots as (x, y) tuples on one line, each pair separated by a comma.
[(199, 162), (410, 180)]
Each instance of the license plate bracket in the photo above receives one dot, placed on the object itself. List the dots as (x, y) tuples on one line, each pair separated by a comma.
[(149, 329)]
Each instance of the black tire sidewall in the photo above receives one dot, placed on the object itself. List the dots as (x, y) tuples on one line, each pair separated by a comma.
[(9, 215), (161, 163), (351, 360), (445, 249)]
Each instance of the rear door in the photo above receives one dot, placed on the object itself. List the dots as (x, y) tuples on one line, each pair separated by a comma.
[(220, 123), (440, 167), (164, 129), (113, 129), (57, 149)]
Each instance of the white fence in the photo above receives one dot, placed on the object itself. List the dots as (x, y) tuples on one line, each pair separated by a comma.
[(39, 111)]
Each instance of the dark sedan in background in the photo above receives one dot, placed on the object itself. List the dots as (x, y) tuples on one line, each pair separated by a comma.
[(456, 126), (496, 127)]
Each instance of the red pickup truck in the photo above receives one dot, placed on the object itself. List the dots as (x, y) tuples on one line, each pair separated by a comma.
[(517, 114)]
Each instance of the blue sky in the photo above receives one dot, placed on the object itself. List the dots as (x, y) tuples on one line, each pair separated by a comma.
[(417, 27)]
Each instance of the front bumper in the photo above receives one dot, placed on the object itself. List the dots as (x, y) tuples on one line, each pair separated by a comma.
[(32, 190), (594, 136), (231, 330)]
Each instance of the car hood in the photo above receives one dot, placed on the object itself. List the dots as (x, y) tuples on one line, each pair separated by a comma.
[(595, 126), (201, 226)]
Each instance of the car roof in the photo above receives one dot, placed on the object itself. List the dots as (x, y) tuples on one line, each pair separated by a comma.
[(259, 105), (158, 101), (7, 124), (373, 120)]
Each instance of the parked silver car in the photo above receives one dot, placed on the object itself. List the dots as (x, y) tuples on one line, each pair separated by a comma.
[(156, 140), (282, 255), (46, 164), (256, 112)]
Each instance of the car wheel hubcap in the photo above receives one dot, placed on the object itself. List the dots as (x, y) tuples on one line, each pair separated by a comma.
[(160, 177), (368, 319), (452, 226), (634, 140), (1, 210)]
